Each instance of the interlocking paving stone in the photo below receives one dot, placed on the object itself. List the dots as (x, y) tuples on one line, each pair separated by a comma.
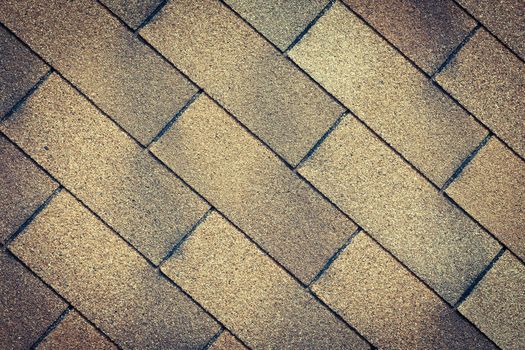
[(23, 188), (400, 209), (279, 21), (253, 188), (20, 70), (497, 304), (109, 64), (28, 307), (488, 80), (226, 341), (100, 164), (133, 12), (389, 306), (505, 18), (388, 93), (251, 295), (492, 190), (108, 281), (242, 71), (427, 31), (74, 333)]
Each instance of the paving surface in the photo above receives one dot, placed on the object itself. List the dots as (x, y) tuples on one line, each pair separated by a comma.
[(234, 174)]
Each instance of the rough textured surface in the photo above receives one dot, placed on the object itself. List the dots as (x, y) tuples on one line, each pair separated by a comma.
[(386, 303), (28, 307), (279, 21), (109, 282), (133, 12), (23, 187), (489, 81), (108, 171), (110, 65), (75, 333), (20, 69), (244, 73), (427, 31), (388, 93), (492, 190), (226, 341), (497, 305), (400, 209), (251, 295), (505, 18), (243, 179)]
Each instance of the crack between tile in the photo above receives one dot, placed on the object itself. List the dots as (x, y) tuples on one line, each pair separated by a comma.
[(150, 16), (51, 327), (213, 339)]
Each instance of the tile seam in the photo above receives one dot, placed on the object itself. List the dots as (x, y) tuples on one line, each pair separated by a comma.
[(151, 15), (213, 339), (51, 327)]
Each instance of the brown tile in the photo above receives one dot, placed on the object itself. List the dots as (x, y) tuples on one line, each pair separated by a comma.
[(504, 18), (488, 80), (133, 12), (388, 93), (427, 31), (75, 333), (497, 304), (242, 71), (28, 306), (108, 63), (98, 162), (279, 21), (23, 187), (399, 208), (389, 306), (108, 281), (20, 70), (226, 341), (251, 295), (252, 187), (492, 190)]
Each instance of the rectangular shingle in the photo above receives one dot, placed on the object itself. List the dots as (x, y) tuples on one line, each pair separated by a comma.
[(497, 304), (243, 72), (28, 306), (505, 18), (427, 31), (399, 208), (488, 80), (394, 98), (492, 190), (73, 332), (108, 63), (253, 188), (23, 188), (389, 306), (100, 164), (108, 281), (251, 295)]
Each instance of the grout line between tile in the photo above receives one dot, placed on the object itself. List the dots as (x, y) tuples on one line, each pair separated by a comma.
[(51, 327)]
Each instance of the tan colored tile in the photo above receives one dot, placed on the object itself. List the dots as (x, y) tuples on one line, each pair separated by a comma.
[(98, 162), (109, 282), (388, 93), (133, 12), (242, 71), (108, 63), (488, 80), (226, 341), (280, 21), (427, 31), (75, 333), (389, 306), (28, 306), (504, 18), (497, 304), (492, 190), (253, 188), (20, 70), (251, 295), (23, 187), (399, 208)]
